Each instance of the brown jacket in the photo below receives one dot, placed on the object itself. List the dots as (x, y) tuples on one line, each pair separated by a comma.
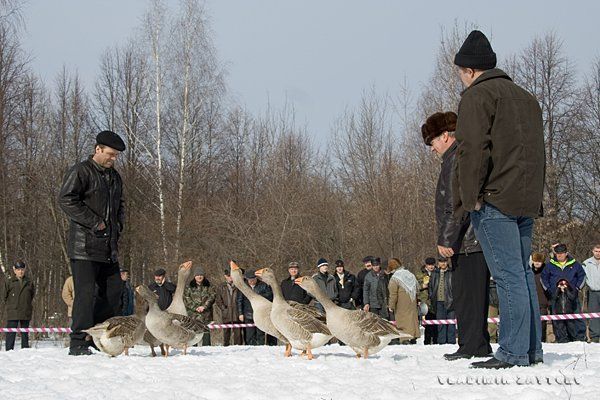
[(68, 295), (501, 158), (226, 301)]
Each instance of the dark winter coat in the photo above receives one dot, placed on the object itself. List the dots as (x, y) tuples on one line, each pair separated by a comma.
[(375, 290), (226, 301), (572, 271), (127, 302), (500, 158), (541, 293), (347, 288), (18, 294), (327, 284), (360, 280), (434, 284), (244, 307), (293, 292), (454, 229), (90, 195), (164, 292), (202, 295), (564, 302)]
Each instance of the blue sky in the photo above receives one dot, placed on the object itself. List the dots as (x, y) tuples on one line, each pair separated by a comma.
[(317, 55)]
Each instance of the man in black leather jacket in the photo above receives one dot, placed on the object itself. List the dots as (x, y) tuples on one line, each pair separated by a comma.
[(456, 240), (92, 197)]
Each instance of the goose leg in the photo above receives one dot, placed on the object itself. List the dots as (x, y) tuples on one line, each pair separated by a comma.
[(163, 352), (166, 350), (303, 353), (366, 353), (288, 350), (185, 349), (309, 352), (153, 352), (127, 351)]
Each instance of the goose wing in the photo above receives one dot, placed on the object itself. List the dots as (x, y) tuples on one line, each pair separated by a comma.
[(307, 321), (314, 311), (122, 326), (374, 324), (188, 323)]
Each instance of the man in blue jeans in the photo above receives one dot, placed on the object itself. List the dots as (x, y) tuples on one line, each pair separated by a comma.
[(499, 179)]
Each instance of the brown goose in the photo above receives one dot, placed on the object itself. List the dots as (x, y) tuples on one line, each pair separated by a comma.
[(301, 328), (183, 279), (117, 335), (261, 307), (179, 331), (365, 332)]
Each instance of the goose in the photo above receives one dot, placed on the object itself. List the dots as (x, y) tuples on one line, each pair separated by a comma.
[(117, 335), (261, 307), (175, 330), (183, 278), (302, 329), (366, 333)]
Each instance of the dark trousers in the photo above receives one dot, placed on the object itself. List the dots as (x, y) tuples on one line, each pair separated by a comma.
[(470, 292), (11, 336), (237, 335), (98, 289), (431, 331), (446, 333), (544, 311), (253, 336)]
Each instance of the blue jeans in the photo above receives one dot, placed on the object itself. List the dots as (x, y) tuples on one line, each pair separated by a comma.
[(446, 333), (506, 244)]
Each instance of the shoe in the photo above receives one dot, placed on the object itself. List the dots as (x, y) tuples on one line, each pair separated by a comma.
[(492, 363), (457, 356), (534, 362), (80, 351)]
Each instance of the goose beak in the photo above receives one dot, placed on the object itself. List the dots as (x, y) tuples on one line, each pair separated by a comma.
[(298, 281), (259, 272), (186, 265), (233, 266)]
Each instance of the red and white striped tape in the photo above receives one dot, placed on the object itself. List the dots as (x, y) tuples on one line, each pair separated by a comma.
[(560, 317)]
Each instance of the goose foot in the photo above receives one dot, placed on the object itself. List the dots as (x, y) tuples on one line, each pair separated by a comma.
[(153, 352), (358, 355), (163, 352), (309, 353)]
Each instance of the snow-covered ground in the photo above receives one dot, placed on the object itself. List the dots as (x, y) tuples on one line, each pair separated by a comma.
[(570, 371)]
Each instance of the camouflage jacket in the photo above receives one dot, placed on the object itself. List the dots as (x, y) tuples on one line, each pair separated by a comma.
[(196, 296)]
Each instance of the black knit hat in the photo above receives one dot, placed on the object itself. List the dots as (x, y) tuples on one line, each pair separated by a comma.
[(476, 52), (19, 265), (110, 139), (321, 262)]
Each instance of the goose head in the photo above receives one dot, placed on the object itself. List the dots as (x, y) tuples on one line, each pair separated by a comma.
[(266, 275), (147, 294), (307, 283), (235, 269)]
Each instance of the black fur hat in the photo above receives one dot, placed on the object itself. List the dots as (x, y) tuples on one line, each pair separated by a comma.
[(437, 124)]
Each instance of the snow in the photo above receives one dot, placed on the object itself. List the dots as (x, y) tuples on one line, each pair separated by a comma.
[(245, 372)]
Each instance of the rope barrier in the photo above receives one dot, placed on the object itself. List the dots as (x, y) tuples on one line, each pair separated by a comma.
[(559, 317)]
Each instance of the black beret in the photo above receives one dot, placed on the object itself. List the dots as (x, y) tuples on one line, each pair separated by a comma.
[(110, 139), (430, 261), (250, 274), (160, 272)]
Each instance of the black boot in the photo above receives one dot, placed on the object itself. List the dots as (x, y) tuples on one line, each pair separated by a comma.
[(492, 363)]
